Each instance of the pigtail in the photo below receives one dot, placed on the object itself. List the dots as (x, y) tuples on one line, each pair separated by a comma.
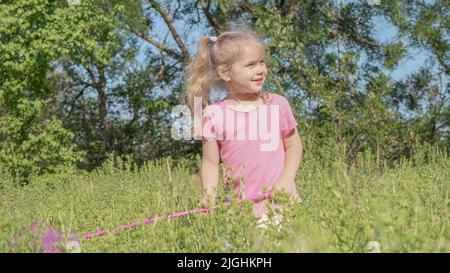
[(198, 76), (197, 84)]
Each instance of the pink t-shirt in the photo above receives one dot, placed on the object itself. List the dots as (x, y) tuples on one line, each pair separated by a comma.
[(251, 143)]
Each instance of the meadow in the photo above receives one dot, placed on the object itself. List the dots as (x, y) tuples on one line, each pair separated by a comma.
[(403, 208)]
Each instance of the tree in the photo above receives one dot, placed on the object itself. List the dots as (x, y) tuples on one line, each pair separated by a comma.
[(102, 77), (31, 140)]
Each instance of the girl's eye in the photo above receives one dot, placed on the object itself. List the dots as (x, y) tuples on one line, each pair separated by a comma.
[(252, 64), (255, 63)]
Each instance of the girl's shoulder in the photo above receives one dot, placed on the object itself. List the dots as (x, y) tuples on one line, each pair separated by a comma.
[(275, 98), (214, 107)]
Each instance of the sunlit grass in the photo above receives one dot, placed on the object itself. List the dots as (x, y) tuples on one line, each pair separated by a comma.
[(404, 208)]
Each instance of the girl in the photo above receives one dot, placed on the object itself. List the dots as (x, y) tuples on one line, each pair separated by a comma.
[(253, 132)]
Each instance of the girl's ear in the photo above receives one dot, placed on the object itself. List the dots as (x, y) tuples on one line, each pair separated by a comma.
[(224, 73)]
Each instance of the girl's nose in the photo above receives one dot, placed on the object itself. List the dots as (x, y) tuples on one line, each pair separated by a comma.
[(261, 68)]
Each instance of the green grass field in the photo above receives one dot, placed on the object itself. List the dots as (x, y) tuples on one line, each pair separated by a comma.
[(405, 208)]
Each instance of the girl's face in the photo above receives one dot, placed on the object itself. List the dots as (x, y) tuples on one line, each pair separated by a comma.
[(248, 73)]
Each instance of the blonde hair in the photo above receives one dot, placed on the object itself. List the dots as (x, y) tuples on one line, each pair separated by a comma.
[(201, 72)]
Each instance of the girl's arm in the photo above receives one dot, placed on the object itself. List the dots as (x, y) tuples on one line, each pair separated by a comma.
[(209, 171), (293, 148)]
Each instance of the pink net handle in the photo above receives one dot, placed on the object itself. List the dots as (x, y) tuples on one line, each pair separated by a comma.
[(255, 198)]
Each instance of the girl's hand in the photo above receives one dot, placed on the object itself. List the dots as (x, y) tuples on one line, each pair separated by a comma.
[(284, 186), (207, 201)]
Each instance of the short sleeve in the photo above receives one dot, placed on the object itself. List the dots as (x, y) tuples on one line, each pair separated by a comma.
[(208, 130), (287, 119)]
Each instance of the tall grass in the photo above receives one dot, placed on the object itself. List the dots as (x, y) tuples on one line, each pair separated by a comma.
[(405, 208)]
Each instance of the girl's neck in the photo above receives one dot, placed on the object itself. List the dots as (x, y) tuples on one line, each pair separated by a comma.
[(243, 97)]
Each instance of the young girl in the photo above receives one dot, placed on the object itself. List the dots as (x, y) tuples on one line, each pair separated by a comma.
[(253, 132)]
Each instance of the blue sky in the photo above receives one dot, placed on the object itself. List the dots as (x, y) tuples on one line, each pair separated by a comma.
[(383, 31)]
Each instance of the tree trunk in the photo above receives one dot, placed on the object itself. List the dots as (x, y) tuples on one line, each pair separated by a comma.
[(108, 131)]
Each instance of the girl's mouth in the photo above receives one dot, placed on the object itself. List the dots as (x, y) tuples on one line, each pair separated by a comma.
[(260, 81)]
